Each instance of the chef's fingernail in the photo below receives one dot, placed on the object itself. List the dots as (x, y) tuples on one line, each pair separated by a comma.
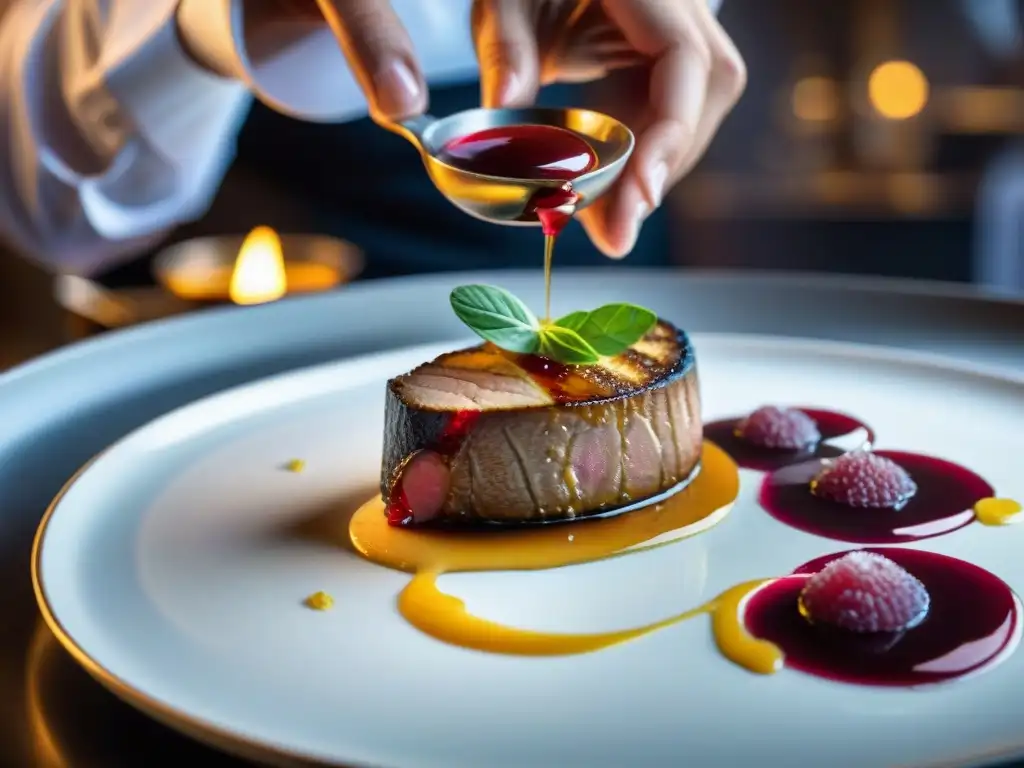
[(642, 211), (502, 89), (655, 181), (399, 92), (511, 87)]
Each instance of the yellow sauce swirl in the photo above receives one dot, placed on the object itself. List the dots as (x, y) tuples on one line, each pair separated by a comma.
[(428, 554)]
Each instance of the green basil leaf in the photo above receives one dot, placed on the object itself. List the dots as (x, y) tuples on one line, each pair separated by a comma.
[(573, 321), (565, 346), (613, 328), (497, 316)]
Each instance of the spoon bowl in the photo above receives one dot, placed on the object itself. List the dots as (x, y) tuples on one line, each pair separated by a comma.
[(503, 200)]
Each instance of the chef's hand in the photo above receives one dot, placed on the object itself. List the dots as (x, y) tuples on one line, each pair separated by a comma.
[(692, 73), (378, 49), (693, 76)]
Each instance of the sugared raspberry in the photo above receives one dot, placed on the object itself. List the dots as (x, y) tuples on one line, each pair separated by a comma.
[(864, 592), (782, 428), (864, 479)]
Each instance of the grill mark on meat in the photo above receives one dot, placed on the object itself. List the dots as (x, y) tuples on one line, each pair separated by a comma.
[(674, 430), (691, 397), (682, 403), (622, 417), (569, 472), (660, 420), (517, 451), (558, 452), (472, 473), (649, 422), (645, 442), (644, 362)]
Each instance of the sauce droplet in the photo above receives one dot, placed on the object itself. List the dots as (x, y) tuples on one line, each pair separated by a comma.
[(320, 601), (992, 511)]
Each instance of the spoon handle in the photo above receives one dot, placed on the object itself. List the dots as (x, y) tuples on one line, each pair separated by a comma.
[(412, 129)]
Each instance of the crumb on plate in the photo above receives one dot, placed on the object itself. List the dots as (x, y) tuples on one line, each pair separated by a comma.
[(295, 465)]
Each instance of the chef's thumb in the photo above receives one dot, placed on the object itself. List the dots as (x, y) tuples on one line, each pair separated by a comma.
[(506, 47), (380, 54)]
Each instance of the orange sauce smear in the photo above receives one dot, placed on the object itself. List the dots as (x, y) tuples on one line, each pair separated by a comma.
[(428, 554)]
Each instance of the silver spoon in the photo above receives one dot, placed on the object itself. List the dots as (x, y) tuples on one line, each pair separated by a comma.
[(497, 199), (506, 200)]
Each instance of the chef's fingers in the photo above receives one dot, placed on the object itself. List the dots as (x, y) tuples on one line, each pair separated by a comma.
[(380, 53), (506, 47), (725, 86), (696, 77)]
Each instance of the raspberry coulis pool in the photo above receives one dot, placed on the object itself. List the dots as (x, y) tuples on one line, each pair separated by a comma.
[(973, 622), (944, 501), (831, 425)]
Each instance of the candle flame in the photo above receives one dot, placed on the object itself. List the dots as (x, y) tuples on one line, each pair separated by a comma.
[(259, 274)]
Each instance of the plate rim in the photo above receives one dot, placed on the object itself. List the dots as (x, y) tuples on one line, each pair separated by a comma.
[(848, 283), (251, 747)]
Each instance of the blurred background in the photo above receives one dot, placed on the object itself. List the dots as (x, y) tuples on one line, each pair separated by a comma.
[(876, 137)]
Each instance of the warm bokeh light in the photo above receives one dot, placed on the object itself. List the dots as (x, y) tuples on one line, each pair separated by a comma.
[(816, 99), (259, 274), (898, 90)]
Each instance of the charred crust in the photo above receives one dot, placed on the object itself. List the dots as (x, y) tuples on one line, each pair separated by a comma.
[(660, 376)]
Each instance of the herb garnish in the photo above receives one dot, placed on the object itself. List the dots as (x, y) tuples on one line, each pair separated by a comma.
[(579, 338)]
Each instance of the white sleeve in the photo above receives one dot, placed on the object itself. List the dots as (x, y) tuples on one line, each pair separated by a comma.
[(109, 134), (298, 68)]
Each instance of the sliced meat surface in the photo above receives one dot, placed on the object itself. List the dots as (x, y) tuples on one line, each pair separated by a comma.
[(520, 439)]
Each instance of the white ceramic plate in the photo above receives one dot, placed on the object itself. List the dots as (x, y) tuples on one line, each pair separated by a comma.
[(175, 565)]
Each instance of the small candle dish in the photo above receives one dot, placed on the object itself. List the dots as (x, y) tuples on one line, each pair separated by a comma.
[(202, 269), (92, 308)]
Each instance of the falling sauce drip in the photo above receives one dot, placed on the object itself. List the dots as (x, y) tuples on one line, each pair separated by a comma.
[(554, 208), (549, 251)]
